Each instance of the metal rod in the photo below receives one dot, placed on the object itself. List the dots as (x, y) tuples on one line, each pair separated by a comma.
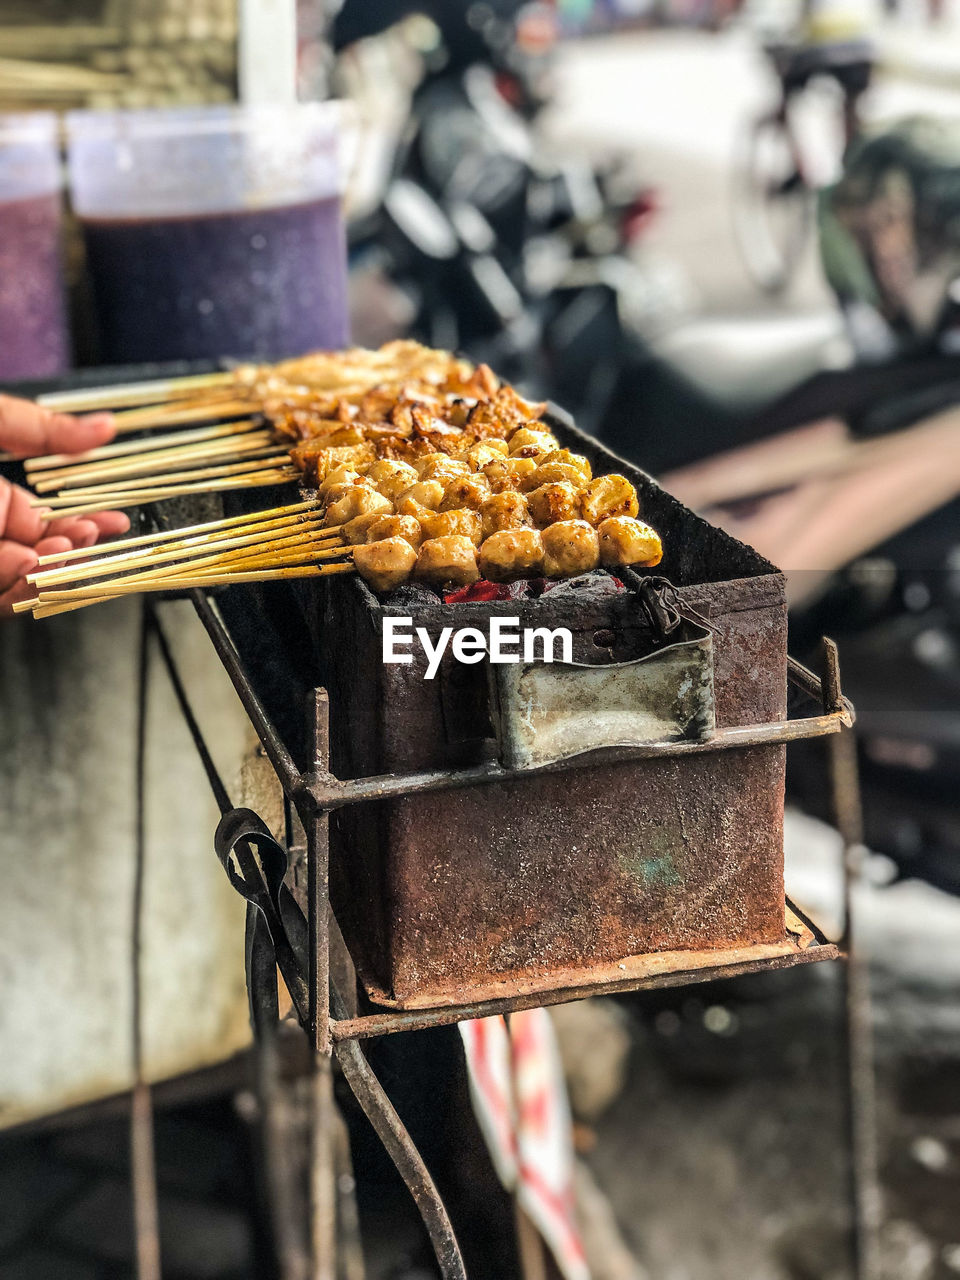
[(390, 1023), (865, 1192), (380, 1111), (143, 1173), (333, 793), (220, 793), (323, 1206)]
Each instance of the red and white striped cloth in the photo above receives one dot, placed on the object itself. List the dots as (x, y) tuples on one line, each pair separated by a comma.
[(520, 1099)]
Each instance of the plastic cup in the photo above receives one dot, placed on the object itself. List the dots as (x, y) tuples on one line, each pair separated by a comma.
[(212, 231), (34, 339)]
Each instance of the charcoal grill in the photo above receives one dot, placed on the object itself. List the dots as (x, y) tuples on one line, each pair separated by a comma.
[(389, 764)]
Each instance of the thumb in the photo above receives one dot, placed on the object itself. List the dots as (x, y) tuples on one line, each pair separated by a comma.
[(29, 430)]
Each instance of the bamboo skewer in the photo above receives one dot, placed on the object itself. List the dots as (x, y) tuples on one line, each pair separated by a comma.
[(125, 448), (123, 498), (185, 550), (294, 549), (58, 602), (134, 393), (163, 415), (209, 527), (261, 460), (156, 467)]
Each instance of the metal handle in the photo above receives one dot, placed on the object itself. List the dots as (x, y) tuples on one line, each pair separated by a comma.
[(545, 712)]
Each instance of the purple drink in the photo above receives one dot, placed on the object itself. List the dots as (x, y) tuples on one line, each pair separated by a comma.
[(266, 283), (33, 325), (212, 231)]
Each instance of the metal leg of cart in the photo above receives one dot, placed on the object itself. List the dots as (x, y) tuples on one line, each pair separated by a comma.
[(865, 1194)]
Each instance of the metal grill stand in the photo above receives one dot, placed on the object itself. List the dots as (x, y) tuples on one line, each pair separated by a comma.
[(278, 935)]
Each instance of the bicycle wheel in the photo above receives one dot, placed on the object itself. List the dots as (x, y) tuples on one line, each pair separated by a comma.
[(772, 204)]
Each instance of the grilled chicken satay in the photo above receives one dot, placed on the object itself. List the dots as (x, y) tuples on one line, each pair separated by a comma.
[(338, 476), (512, 554), (447, 561), (625, 541), (608, 496), (385, 564), (570, 547), (316, 459), (434, 465)]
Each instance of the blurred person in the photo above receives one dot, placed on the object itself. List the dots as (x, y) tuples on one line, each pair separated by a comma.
[(28, 431)]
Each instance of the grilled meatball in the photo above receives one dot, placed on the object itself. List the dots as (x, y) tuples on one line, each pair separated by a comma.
[(566, 458), (508, 473), (507, 510), (511, 554), (486, 451), (553, 502), (359, 500), (450, 560), (425, 493), (405, 527), (570, 547), (627, 541), (391, 477), (551, 473), (357, 529), (464, 522), (465, 491), (385, 564), (608, 496), (527, 443)]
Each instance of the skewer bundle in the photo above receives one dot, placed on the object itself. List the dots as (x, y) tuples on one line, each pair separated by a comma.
[(421, 465)]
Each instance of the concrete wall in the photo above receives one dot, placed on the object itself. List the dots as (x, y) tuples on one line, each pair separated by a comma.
[(67, 760)]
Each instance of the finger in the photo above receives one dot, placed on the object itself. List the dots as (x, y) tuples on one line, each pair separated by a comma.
[(19, 591), (78, 530), (18, 520), (15, 561), (51, 546), (110, 523), (28, 430)]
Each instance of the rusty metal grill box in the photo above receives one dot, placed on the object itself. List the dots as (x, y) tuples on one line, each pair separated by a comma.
[(474, 892)]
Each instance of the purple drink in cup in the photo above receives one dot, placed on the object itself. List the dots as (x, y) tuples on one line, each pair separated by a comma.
[(212, 232), (33, 326)]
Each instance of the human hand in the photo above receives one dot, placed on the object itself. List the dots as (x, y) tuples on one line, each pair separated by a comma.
[(27, 430)]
